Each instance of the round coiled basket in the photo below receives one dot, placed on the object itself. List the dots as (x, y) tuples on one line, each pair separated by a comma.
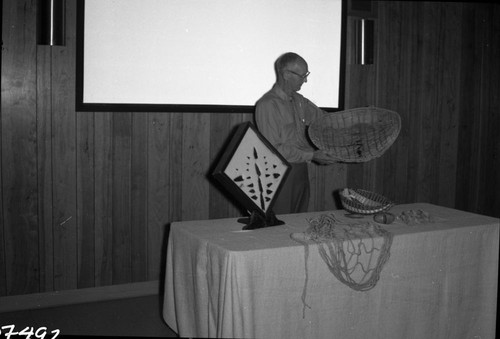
[(359, 201), (356, 135)]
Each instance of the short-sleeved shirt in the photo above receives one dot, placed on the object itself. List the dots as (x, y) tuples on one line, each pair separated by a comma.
[(283, 120)]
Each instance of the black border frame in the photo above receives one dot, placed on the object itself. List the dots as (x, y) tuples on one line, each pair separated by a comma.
[(230, 185), (183, 108)]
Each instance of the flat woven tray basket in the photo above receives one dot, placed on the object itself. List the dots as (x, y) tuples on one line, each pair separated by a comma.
[(356, 135), (360, 201)]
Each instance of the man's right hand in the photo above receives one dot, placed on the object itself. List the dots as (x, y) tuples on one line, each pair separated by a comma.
[(323, 158)]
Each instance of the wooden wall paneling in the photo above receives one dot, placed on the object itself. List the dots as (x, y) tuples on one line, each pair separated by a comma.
[(385, 61), (489, 123), (121, 192), (160, 165), (222, 128), (429, 119), (316, 185), (64, 157), (19, 167), (396, 38), (490, 177), (44, 167), (475, 163), (423, 101), (468, 173), (195, 164), (335, 178), (415, 61), (139, 202), (448, 91), (220, 132), (466, 104), (176, 169), (325, 182), (103, 198), (85, 199), (360, 92), (3, 266)]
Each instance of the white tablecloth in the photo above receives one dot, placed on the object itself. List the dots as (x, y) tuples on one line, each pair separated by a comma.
[(439, 282)]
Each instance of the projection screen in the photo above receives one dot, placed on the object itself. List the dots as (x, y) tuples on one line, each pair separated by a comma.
[(203, 55)]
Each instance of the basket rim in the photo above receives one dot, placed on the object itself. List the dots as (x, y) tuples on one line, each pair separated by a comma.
[(357, 207), (369, 147)]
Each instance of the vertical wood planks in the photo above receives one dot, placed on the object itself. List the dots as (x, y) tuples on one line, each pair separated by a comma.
[(221, 132), (468, 156), (396, 38), (103, 198), (428, 97), (160, 164), (176, 169), (195, 160), (121, 197), (19, 150), (138, 196), (64, 159), (478, 177), (44, 168), (490, 182), (85, 197), (447, 103)]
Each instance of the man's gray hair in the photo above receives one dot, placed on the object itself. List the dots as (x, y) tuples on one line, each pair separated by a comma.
[(285, 60)]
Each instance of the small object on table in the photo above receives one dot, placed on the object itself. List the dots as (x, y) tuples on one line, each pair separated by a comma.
[(260, 220), (354, 215), (362, 202), (384, 218)]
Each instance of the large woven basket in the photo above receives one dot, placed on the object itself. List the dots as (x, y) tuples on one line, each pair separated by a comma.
[(356, 135), (360, 201)]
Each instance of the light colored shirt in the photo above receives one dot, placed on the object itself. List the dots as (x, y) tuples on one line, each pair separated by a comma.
[(283, 121)]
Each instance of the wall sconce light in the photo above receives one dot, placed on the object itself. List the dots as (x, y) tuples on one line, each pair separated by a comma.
[(51, 22), (363, 44)]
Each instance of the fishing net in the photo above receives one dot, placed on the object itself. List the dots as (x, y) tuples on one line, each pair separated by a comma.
[(356, 135), (355, 253)]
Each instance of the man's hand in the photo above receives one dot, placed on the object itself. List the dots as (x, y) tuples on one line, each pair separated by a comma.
[(323, 158)]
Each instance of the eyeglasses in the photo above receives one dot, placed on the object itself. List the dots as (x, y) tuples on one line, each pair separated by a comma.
[(303, 76)]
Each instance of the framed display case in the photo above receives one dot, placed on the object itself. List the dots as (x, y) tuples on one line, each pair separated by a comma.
[(252, 171)]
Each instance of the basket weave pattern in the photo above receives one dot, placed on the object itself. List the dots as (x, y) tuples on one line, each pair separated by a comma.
[(363, 202), (356, 135)]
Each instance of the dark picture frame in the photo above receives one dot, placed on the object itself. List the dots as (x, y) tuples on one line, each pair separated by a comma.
[(253, 172)]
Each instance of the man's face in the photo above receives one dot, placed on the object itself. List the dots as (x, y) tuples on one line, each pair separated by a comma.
[(296, 74)]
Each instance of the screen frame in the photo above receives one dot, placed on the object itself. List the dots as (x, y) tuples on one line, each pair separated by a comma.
[(82, 106)]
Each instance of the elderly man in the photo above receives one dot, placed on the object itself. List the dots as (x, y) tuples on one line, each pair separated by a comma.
[(282, 116)]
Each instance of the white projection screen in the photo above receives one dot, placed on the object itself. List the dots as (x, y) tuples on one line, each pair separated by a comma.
[(204, 55)]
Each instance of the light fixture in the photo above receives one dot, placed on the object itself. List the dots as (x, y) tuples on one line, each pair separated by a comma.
[(364, 36), (51, 22)]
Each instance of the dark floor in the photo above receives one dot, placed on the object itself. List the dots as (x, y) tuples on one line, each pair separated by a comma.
[(137, 317)]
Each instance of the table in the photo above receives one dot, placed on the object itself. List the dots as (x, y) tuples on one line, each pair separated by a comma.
[(440, 281)]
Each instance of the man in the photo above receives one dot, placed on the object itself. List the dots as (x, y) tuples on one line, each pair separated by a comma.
[(282, 116)]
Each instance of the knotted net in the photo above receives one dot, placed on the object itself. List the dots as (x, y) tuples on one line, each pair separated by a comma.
[(355, 253)]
